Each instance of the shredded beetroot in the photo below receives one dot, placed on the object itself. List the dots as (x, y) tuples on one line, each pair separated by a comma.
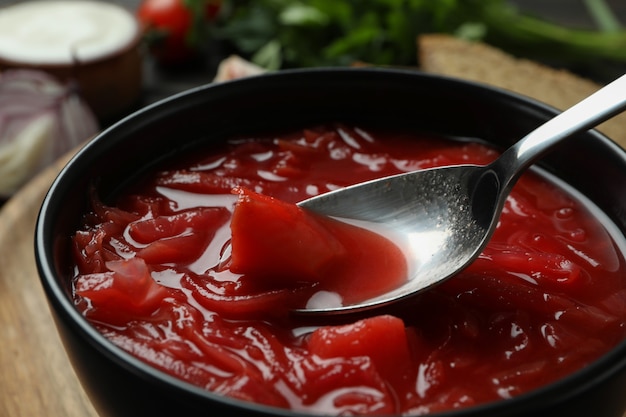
[(156, 276)]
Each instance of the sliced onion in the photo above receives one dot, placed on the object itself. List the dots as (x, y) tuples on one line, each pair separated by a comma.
[(40, 120)]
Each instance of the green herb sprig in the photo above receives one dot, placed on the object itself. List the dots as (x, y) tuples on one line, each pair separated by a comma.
[(303, 33)]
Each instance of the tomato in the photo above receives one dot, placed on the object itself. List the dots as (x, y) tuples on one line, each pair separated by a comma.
[(173, 28)]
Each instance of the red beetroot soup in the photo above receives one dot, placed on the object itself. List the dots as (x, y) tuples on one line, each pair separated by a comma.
[(544, 299)]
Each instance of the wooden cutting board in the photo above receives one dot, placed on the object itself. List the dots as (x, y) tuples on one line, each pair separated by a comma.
[(36, 376)]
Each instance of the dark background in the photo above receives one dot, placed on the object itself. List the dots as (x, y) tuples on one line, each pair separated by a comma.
[(159, 83)]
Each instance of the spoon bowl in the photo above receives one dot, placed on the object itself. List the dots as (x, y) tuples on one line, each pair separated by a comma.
[(447, 215)]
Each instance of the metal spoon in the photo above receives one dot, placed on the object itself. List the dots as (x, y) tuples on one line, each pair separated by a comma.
[(448, 214)]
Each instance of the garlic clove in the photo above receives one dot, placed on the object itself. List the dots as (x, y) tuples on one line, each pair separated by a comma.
[(22, 156)]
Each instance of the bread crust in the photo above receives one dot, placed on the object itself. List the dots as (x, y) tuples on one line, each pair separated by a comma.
[(475, 61)]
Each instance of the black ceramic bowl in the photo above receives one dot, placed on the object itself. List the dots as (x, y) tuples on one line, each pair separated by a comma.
[(121, 385)]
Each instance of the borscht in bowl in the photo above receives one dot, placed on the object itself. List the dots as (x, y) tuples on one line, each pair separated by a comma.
[(173, 254)]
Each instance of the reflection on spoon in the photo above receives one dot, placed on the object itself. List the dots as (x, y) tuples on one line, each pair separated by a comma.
[(448, 214)]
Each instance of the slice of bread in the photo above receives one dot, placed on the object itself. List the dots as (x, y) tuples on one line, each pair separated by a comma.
[(479, 62)]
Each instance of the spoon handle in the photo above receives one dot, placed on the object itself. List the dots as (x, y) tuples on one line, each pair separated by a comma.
[(593, 110)]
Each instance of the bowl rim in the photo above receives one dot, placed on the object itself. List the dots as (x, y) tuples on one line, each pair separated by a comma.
[(62, 305)]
